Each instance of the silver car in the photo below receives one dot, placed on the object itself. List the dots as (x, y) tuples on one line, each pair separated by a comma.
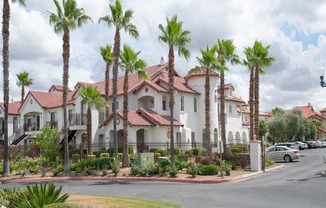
[(283, 153)]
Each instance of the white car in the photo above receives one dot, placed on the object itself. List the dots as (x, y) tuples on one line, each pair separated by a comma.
[(301, 145)]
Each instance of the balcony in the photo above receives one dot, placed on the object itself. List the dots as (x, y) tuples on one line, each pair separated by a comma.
[(52, 124), (77, 121), (31, 127)]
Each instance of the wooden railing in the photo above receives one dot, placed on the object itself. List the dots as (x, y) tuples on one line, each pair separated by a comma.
[(77, 119)]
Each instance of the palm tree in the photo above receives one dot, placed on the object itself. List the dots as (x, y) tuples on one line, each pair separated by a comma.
[(173, 35), (68, 17), (107, 56), (5, 64), (225, 53), (120, 20), (208, 61), (91, 96), (130, 63), (258, 58), (23, 80)]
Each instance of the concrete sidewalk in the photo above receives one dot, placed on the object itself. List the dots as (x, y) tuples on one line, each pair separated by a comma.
[(163, 179)]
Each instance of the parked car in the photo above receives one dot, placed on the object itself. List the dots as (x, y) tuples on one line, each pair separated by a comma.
[(313, 144), (308, 143), (291, 145), (319, 144), (301, 145), (283, 153)]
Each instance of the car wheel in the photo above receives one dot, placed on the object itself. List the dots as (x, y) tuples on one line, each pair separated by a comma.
[(300, 148), (287, 158)]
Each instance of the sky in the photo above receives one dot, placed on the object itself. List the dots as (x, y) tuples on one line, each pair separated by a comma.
[(295, 29)]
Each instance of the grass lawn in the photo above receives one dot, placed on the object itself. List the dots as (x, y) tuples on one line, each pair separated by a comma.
[(91, 201)]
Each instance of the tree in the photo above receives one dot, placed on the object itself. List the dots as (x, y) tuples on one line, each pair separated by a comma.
[(130, 63), (225, 50), (5, 64), (318, 124), (108, 57), (277, 111), (68, 17), (91, 96), (258, 58), (120, 20), (174, 36), (208, 61), (46, 140), (23, 80)]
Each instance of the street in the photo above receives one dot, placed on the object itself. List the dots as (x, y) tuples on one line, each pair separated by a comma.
[(298, 184)]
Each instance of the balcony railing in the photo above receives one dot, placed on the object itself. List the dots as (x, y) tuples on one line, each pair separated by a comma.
[(77, 119), (31, 127), (52, 124)]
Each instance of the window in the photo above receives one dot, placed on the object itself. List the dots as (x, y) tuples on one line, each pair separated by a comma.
[(195, 104), (164, 103), (178, 135), (230, 108), (115, 107), (182, 103), (193, 139), (215, 137)]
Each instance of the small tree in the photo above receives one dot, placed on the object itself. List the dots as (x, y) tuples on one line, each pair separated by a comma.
[(47, 141)]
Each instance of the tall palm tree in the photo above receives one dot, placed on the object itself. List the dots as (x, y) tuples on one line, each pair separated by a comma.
[(130, 63), (91, 96), (120, 20), (108, 57), (225, 53), (23, 80), (208, 61), (248, 52), (68, 17), (174, 36), (258, 57), (5, 64)]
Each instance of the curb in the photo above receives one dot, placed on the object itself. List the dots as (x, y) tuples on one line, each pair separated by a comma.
[(58, 179)]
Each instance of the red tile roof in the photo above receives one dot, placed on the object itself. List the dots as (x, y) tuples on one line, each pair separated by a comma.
[(12, 107), (308, 112), (150, 84), (201, 72), (51, 100), (58, 88), (144, 117), (323, 110), (160, 120), (180, 84)]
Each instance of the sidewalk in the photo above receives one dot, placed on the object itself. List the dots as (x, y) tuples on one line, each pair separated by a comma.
[(163, 179)]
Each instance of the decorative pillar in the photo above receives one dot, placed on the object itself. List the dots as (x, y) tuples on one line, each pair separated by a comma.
[(255, 155)]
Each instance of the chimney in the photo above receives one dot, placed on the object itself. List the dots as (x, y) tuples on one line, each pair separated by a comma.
[(163, 60)]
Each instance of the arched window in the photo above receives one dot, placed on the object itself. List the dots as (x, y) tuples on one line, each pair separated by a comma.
[(164, 103), (182, 103), (195, 104)]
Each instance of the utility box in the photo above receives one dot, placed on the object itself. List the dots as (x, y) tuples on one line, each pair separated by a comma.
[(143, 159)]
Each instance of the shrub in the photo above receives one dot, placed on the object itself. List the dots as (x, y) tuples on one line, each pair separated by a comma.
[(116, 167), (84, 163), (195, 151), (75, 158), (39, 195), (192, 170), (151, 169), (234, 167), (57, 170), (130, 150), (105, 154), (225, 168), (207, 169), (8, 196), (155, 150), (269, 161), (204, 161), (163, 152), (142, 171), (91, 157), (103, 162), (173, 171), (156, 155), (63, 205), (134, 170)]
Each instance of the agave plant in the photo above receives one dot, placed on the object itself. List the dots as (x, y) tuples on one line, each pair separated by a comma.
[(8, 196), (39, 195)]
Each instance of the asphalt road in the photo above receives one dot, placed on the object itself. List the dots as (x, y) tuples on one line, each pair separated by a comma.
[(299, 184)]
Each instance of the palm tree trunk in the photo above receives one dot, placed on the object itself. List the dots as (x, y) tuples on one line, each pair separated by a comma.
[(66, 56), (256, 97), (171, 101), (89, 130), (5, 62), (251, 104), (107, 81), (222, 97), (116, 52), (207, 116), (125, 160), (22, 93)]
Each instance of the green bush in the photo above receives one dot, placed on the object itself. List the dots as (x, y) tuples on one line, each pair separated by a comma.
[(134, 170), (192, 170), (163, 152), (84, 163), (75, 158), (269, 161), (116, 167), (151, 169), (130, 150), (195, 151), (207, 169), (8, 196), (173, 171), (105, 154), (57, 170), (91, 157), (155, 150), (103, 163)]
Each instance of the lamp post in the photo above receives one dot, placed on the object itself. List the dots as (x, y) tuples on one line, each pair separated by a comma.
[(321, 73)]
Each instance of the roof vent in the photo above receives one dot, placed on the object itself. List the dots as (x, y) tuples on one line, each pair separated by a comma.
[(163, 60)]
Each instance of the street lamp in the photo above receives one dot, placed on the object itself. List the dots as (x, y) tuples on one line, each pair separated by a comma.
[(321, 73)]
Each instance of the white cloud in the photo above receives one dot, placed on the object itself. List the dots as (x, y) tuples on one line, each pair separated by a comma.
[(291, 81)]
